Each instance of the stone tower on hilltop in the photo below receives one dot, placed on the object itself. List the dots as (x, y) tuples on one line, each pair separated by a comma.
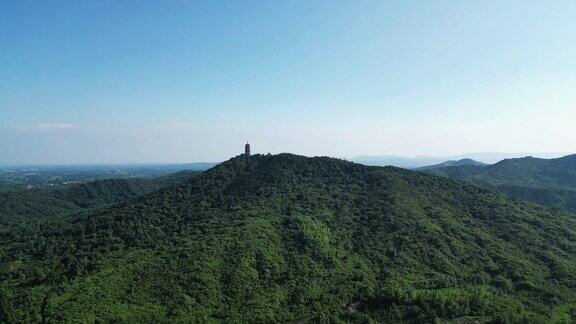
[(247, 149)]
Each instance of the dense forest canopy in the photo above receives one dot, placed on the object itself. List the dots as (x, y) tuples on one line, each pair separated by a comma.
[(285, 238), (18, 204)]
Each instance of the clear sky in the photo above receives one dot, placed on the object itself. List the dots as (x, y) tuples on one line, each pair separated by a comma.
[(178, 81)]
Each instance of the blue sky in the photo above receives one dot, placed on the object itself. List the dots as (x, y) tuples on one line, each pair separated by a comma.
[(178, 81)]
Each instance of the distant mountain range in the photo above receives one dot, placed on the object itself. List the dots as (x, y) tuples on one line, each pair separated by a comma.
[(546, 181), (424, 161), (286, 238)]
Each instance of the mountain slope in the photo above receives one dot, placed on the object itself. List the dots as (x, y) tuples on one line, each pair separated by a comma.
[(281, 238), (112, 191), (32, 204), (547, 181)]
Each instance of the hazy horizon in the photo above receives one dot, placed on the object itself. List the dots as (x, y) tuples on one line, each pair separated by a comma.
[(402, 161), (176, 82)]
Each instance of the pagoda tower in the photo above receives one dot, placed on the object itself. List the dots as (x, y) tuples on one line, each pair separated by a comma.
[(247, 149)]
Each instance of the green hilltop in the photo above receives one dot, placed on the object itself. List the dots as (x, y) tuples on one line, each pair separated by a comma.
[(453, 163), (277, 238)]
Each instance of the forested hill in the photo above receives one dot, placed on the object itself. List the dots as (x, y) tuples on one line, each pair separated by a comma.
[(107, 191), (546, 181), (289, 238), (545, 173), (453, 163), (25, 204), (111, 191)]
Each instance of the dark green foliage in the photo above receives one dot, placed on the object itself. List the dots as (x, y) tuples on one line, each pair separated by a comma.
[(108, 191), (18, 204), (112, 191), (21, 204), (549, 182), (560, 198), (287, 238)]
